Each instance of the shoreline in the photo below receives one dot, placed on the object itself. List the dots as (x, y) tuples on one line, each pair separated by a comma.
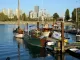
[(30, 22), (22, 22)]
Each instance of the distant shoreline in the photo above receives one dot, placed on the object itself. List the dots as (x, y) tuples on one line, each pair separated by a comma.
[(22, 22), (30, 22)]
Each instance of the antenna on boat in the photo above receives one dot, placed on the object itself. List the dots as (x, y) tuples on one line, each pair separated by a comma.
[(18, 12), (42, 13)]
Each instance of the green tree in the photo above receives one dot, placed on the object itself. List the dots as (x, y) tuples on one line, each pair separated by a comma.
[(74, 15), (67, 15), (55, 16), (15, 18), (24, 18), (3, 17)]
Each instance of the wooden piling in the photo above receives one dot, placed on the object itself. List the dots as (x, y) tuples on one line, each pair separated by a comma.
[(37, 25), (27, 26), (27, 29), (53, 26), (62, 37)]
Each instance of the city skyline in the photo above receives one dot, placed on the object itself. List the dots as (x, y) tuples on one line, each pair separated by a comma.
[(51, 6)]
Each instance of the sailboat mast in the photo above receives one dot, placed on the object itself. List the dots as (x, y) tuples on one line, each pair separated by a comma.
[(18, 12)]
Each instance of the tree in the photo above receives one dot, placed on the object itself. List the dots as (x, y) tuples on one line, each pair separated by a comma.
[(74, 15), (3, 17), (67, 15), (55, 16), (15, 18), (24, 18)]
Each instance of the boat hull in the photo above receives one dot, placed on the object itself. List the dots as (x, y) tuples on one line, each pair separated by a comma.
[(17, 35), (32, 41), (35, 51), (73, 53), (77, 35)]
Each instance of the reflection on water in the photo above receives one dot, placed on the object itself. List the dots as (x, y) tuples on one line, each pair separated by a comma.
[(60, 56), (20, 41), (33, 50), (72, 38), (17, 49)]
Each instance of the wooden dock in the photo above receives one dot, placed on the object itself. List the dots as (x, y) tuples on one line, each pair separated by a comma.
[(68, 46)]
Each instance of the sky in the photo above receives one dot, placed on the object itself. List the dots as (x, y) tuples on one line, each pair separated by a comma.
[(51, 6)]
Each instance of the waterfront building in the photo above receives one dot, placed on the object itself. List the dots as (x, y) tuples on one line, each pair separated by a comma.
[(36, 11), (10, 13), (35, 14), (31, 14), (16, 13), (39, 13), (5, 11)]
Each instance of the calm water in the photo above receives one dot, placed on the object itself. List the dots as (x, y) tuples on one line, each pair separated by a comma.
[(17, 50)]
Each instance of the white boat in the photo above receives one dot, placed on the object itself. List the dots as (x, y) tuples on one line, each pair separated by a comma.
[(77, 35), (18, 32), (78, 32), (17, 35)]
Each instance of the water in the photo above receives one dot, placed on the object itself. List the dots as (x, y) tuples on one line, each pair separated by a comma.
[(17, 50)]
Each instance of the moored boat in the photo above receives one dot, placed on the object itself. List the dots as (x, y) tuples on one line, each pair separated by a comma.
[(18, 32), (38, 37), (74, 52)]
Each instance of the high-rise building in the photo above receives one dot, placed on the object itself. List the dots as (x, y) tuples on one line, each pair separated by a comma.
[(31, 14), (10, 13), (35, 15), (4, 11), (17, 12), (36, 10)]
